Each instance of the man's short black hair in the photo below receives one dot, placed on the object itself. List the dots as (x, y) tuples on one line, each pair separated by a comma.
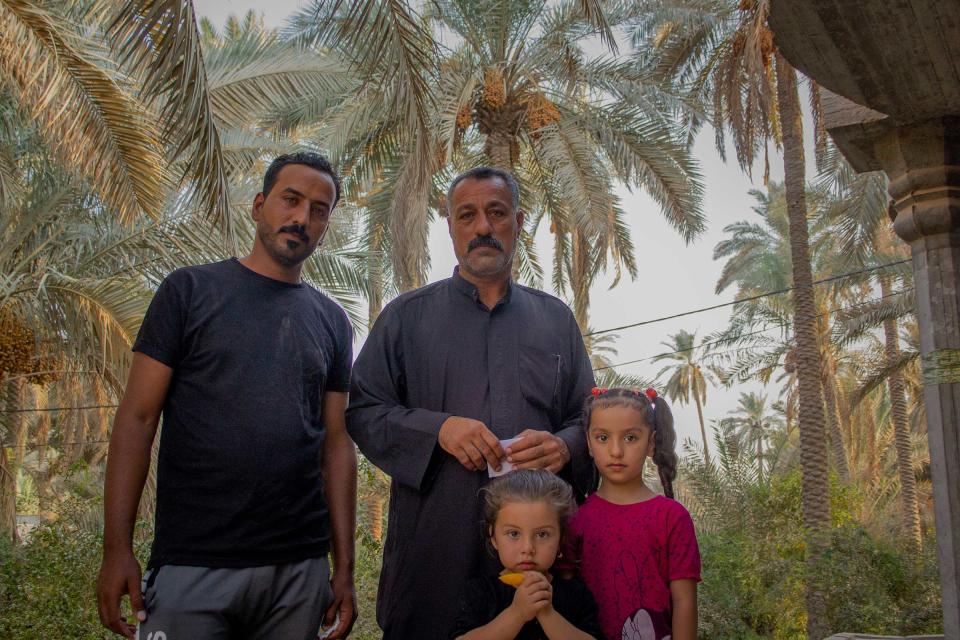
[(486, 173), (308, 158)]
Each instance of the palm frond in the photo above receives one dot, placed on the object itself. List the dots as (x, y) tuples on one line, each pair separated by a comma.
[(384, 40), (93, 123), (159, 40)]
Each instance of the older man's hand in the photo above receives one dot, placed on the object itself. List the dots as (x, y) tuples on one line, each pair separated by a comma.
[(470, 442), (538, 450)]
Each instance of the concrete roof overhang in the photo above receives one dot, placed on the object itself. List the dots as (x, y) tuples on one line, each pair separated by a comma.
[(883, 65), (898, 57)]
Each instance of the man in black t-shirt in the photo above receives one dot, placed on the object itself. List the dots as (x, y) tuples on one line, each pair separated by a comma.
[(256, 475)]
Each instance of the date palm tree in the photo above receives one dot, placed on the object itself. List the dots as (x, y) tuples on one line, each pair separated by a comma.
[(688, 377), (758, 261), (860, 213), (753, 424), (446, 85), (724, 51)]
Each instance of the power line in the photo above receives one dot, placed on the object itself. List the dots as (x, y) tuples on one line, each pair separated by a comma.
[(747, 299), (39, 409), (628, 326), (744, 335), (65, 444)]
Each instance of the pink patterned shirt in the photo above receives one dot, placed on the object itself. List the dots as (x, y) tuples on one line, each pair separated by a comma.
[(628, 555)]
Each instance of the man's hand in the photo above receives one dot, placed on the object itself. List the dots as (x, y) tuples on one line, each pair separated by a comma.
[(470, 442), (533, 595), (538, 450), (119, 575), (344, 604)]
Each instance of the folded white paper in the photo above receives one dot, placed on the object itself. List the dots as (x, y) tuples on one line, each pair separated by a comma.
[(505, 467)]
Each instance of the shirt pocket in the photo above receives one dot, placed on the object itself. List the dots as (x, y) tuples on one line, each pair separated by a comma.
[(540, 379)]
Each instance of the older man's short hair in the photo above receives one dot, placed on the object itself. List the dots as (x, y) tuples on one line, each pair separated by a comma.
[(487, 173)]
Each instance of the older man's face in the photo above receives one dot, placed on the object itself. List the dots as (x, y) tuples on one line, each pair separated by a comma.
[(484, 227)]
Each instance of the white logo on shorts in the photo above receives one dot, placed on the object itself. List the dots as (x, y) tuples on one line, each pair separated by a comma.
[(156, 635)]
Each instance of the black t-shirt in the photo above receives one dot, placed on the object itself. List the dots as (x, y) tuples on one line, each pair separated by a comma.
[(483, 599), (238, 476)]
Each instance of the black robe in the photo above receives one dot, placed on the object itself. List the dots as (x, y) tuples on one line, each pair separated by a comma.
[(437, 352)]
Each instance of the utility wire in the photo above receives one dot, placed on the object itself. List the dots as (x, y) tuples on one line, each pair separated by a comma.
[(637, 324), (752, 333), (38, 409), (65, 444), (747, 299)]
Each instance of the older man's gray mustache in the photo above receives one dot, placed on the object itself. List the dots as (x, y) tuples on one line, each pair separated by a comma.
[(484, 241)]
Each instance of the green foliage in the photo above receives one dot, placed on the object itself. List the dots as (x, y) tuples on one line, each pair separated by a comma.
[(754, 572), (367, 575), (48, 584)]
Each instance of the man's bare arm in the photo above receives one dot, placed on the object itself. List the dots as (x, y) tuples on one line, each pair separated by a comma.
[(340, 482), (128, 462)]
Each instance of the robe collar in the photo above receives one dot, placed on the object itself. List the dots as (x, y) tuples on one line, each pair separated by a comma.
[(467, 288)]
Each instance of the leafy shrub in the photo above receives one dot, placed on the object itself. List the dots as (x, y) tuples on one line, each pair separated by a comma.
[(754, 573), (48, 584)]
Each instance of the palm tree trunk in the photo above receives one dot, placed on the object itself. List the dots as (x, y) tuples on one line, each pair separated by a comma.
[(376, 496), (703, 428), (580, 279), (102, 416), (836, 433), (375, 279), (8, 474), (373, 510), (871, 433), (813, 450), (408, 215), (497, 148), (909, 508), (758, 436)]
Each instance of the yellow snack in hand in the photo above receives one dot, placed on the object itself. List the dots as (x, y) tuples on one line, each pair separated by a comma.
[(513, 578)]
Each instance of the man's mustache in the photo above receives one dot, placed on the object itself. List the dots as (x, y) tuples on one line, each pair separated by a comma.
[(296, 229), (484, 241)]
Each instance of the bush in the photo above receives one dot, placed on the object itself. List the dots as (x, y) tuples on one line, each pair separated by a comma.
[(48, 584), (754, 577)]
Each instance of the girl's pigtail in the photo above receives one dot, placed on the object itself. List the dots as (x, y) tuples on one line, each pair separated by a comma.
[(665, 442)]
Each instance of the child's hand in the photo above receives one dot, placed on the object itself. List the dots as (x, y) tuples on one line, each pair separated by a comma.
[(547, 607), (533, 595)]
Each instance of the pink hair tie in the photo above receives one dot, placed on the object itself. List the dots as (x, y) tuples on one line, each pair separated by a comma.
[(597, 391)]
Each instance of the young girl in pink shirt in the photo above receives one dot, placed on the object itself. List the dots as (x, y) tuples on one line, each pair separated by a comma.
[(637, 550)]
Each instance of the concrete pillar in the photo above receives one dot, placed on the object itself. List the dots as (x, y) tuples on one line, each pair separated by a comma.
[(923, 163)]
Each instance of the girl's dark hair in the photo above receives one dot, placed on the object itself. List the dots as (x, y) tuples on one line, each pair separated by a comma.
[(527, 485), (655, 414)]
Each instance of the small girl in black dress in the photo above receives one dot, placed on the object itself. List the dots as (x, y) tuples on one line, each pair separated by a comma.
[(526, 514)]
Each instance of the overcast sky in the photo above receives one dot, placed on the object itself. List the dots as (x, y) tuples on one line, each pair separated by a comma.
[(673, 277)]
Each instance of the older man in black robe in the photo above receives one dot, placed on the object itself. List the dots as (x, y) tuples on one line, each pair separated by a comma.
[(448, 371)]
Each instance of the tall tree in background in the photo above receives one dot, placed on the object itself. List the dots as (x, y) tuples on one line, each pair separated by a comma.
[(688, 378), (753, 424), (758, 260), (724, 52), (860, 213)]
